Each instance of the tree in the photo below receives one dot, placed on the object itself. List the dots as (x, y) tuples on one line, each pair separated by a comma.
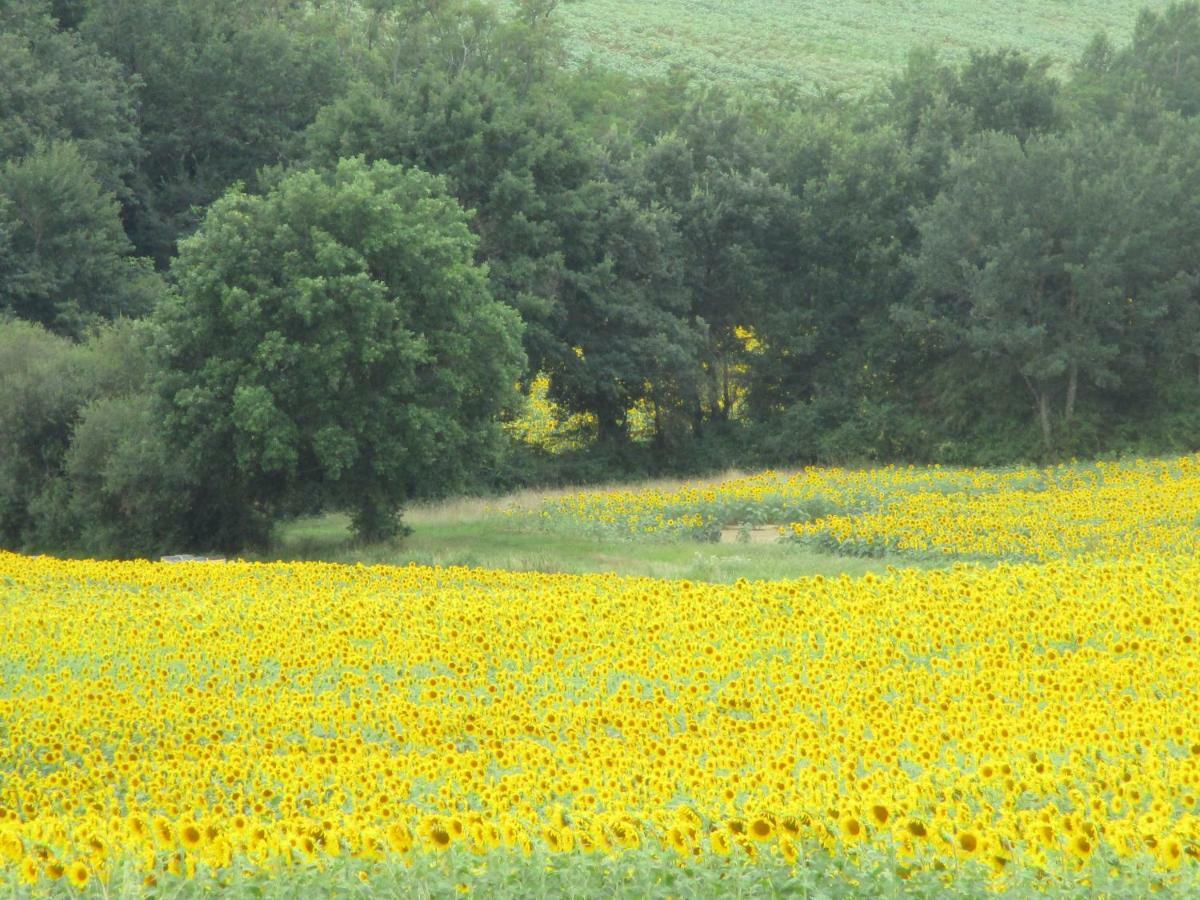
[(1045, 263), (1177, 342), (517, 161), (938, 108), (824, 335), (626, 333), (41, 390), (224, 89), (1007, 91), (56, 87), (710, 170), (332, 343), (46, 383), (1165, 55), (64, 258), (126, 492)]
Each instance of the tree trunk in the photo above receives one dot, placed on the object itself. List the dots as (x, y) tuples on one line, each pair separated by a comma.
[(726, 392), (1043, 407), (1041, 403), (611, 428), (1072, 390), (374, 520)]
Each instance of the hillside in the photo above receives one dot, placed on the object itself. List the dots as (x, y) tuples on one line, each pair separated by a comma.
[(844, 44)]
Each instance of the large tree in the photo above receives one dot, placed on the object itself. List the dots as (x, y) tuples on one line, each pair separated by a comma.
[(625, 334), (224, 88), (1044, 264), (56, 87), (518, 161), (332, 343), (64, 259), (938, 107)]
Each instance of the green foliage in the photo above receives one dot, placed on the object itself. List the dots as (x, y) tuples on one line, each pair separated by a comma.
[(1044, 262), (56, 87), (332, 343), (64, 257), (128, 493), (591, 268), (223, 88), (516, 159), (626, 335), (714, 263), (1164, 55), (647, 872), (42, 387), (48, 385)]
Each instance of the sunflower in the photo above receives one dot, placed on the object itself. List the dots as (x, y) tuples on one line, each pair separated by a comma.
[(559, 840), (1081, 847), (399, 838), (163, 834), (626, 834), (30, 870), (760, 829), (10, 848), (1170, 853), (439, 837), (790, 826), (789, 849), (191, 836), (851, 829), (78, 874), (916, 828), (967, 843)]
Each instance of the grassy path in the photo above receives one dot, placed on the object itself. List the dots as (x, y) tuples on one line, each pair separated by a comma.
[(468, 534)]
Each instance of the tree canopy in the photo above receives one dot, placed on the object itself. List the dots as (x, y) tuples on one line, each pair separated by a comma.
[(332, 342), (343, 244)]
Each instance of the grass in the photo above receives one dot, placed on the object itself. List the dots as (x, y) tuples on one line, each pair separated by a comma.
[(846, 45), (631, 874), (476, 533)]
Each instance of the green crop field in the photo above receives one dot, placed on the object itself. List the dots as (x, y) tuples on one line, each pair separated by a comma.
[(846, 44)]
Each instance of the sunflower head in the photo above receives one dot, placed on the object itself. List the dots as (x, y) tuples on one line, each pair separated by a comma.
[(78, 874)]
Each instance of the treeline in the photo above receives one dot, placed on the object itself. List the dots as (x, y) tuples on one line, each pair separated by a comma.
[(263, 257)]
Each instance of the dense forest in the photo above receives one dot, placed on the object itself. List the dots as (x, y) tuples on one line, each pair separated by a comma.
[(266, 257)]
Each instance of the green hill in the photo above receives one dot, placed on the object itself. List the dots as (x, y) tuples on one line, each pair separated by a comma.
[(846, 44)]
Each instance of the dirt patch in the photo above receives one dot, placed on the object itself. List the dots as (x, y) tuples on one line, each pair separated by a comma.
[(747, 534)]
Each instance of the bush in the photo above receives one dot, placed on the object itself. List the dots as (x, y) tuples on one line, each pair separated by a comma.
[(129, 493), (43, 385), (83, 464)]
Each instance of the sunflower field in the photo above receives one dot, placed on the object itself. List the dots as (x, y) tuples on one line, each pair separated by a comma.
[(1025, 726), (1019, 514)]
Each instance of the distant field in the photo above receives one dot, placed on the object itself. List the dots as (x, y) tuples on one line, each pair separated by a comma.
[(845, 44)]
